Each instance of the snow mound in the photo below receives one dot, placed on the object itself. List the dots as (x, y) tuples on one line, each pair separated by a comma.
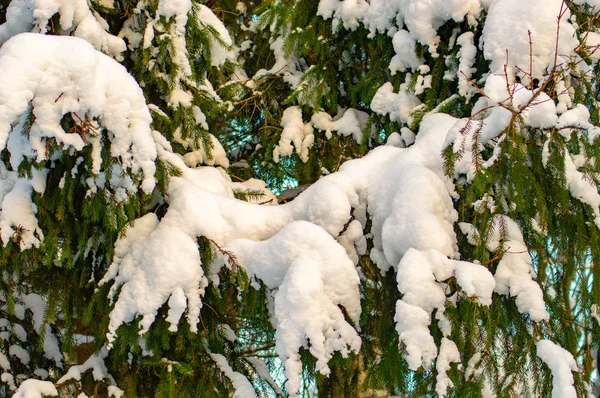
[(42, 79), (149, 273), (76, 18), (292, 248), (32, 388), (312, 276), (540, 17)]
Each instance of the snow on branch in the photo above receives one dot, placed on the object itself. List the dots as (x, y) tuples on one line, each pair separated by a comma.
[(561, 364), (292, 249), (302, 251), (44, 79), (311, 277), (75, 18)]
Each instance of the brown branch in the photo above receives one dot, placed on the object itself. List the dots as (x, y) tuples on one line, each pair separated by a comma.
[(230, 256)]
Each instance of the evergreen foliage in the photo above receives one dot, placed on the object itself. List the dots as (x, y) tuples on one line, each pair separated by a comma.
[(221, 102)]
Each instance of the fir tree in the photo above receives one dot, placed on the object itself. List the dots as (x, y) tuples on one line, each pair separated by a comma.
[(283, 198)]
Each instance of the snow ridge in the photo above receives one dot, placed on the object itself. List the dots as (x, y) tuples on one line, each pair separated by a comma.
[(292, 248)]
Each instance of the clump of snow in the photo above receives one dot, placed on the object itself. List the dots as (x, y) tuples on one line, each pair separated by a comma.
[(75, 18), (313, 277), (4, 363), (561, 364), (405, 58), (354, 241), (397, 106), (219, 49), (256, 190), (114, 391), (495, 112), (177, 9), (346, 12), (150, 272), (448, 354), (285, 65), (581, 188), (514, 275), (37, 305), (466, 56), (243, 388), (295, 133), (19, 352), (215, 155), (349, 122), (95, 363), (576, 119), (536, 109), (419, 274), (472, 369), (540, 17), (32, 388), (17, 217), (50, 77), (9, 380)]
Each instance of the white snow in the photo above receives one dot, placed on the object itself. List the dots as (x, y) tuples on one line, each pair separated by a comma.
[(295, 133), (348, 122), (419, 274), (178, 11), (285, 65), (397, 106), (561, 364), (58, 76), (220, 49), (540, 17), (581, 188), (150, 273), (17, 219), (263, 371), (292, 248), (495, 112), (37, 305), (448, 354), (4, 363), (473, 369), (114, 391), (19, 352), (514, 275), (95, 363), (32, 388), (466, 55), (297, 250), (405, 58), (300, 136), (314, 276), (243, 388), (422, 18), (75, 18), (9, 380), (199, 154)]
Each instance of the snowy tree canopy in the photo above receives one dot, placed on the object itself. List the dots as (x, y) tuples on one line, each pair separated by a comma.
[(299, 198)]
